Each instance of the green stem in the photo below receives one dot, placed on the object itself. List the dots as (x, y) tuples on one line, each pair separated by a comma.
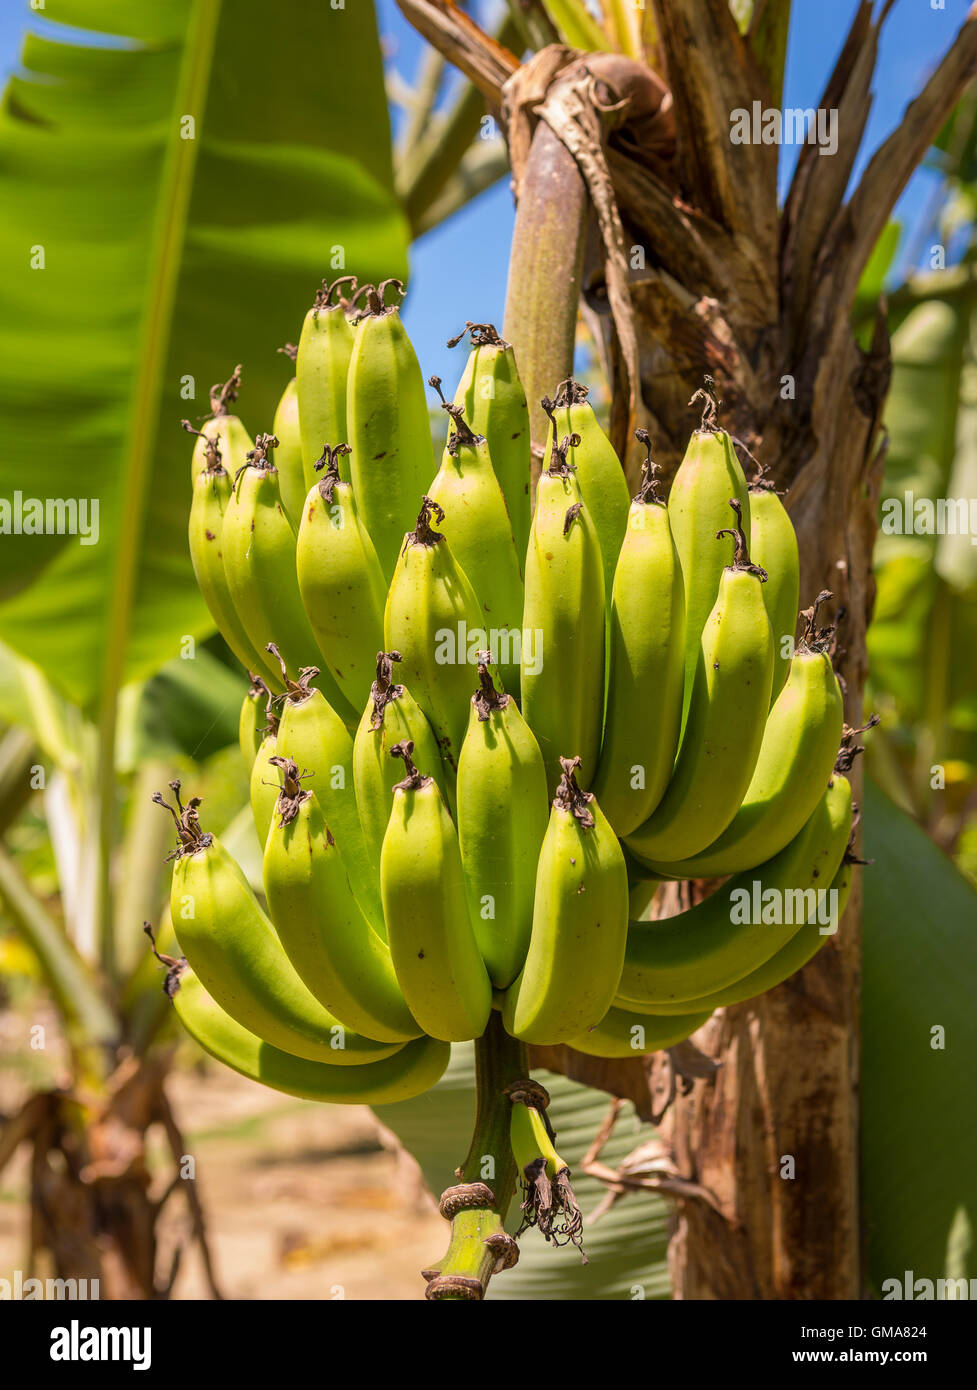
[(469, 1262), (545, 270)]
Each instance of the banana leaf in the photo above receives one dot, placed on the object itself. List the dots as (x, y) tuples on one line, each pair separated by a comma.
[(919, 1124), (171, 201)]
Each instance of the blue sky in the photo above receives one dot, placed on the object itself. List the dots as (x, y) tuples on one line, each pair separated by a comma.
[(458, 271)]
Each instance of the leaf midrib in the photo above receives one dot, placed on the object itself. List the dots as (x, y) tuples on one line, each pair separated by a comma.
[(169, 233)]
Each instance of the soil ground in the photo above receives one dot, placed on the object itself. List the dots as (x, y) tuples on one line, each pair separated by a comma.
[(301, 1201)]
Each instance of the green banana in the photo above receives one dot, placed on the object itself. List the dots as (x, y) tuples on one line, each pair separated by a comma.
[(801, 948), (255, 720), (409, 1072), (563, 622), (698, 505), (434, 618), (580, 923), (212, 489), (494, 403), (264, 783), (773, 545), (800, 741), (311, 734), (548, 1202), (233, 949), (467, 489), (259, 561), (623, 1034), (288, 451), (440, 971), (646, 664), (718, 942), (223, 429), (600, 477), (388, 426), (502, 818), (332, 946), (340, 580), (321, 372), (391, 716), (725, 725)]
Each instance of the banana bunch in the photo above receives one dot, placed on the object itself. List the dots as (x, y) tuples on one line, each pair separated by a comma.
[(481, 734)]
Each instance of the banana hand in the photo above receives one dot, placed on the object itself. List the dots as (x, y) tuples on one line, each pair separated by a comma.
[(796, 757), (409, 1072), (233, 948), (744, 923)]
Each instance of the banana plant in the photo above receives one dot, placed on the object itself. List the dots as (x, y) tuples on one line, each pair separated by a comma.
[(169, 202)]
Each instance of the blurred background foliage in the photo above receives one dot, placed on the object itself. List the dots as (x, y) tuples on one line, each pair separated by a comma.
[(168, 260)]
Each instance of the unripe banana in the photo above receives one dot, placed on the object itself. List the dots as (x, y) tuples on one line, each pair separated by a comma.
[(433, 617), (562, 678), (698, 506), (801, 948), (494, 403), (800, 741), (233, 949), (773, 545), (467, 489), (502, 818), (335, 951), (646, 665), (548, 1198), (409, 1072), (212, 490), (580, 923), (259, 561), (719, 941), (392, 716), (388, 426), (256, 712), (321, 372), (311, 734), (264, 782), (600, 477), (340, 580), (623, 1034), (288, 451), (223, 429), (438, 966), (724, 729)]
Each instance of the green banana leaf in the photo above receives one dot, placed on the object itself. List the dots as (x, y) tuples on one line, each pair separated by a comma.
[(919, 1124), (170, 203), (625, 1248)]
